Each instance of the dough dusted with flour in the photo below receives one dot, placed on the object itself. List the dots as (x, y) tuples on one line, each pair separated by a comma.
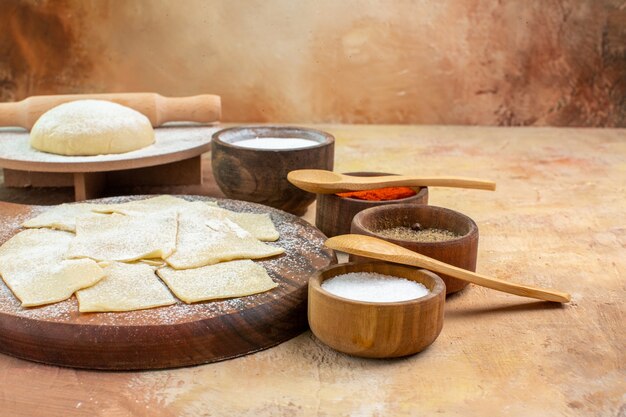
[(91, 127), (117, 237), (224, 280), (44, 265), (205, 239), (125, 287), (62, 217), (259, 225), (32, 265), (146, 206)]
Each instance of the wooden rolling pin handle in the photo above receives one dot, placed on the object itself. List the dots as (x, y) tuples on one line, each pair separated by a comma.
[(11, 114), (203, 108)]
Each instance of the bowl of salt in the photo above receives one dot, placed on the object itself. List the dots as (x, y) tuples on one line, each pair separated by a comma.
[(376, 309), (251, 163)]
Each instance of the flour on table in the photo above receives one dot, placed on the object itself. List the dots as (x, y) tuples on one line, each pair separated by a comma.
[(119, 237), (32, 265), (125, 287), (224, 280)]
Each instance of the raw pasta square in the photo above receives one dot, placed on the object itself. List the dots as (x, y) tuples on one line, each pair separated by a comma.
[(224, 280), (125, 287), (32, 265), (119, 237)]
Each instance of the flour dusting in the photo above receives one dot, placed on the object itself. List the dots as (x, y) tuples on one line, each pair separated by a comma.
[(304, 254)]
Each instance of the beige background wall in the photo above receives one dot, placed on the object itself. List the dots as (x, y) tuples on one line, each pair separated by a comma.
[(507, 62)]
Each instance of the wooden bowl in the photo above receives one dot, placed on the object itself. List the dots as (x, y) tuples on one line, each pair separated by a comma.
[(333, 215), (459, 252), (260, 175), (376, 330)]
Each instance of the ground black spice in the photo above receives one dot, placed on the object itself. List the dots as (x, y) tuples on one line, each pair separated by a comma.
[(419, 235)]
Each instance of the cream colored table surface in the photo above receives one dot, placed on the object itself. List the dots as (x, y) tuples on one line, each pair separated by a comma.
[(558, 219)]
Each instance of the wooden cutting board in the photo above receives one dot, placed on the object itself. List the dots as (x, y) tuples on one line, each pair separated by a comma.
[(171, 336)]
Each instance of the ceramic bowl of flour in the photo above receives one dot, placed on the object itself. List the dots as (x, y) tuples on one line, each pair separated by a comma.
[(251, 163), (377, 328)]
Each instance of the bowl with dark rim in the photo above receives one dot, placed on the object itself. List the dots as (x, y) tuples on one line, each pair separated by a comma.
[(260, 175), (460, 251), (333, 214)]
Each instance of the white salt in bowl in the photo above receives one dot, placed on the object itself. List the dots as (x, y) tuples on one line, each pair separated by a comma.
[(376, 329), (258, 173)]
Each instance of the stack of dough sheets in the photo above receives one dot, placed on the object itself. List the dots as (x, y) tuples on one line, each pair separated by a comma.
[(137, 255)]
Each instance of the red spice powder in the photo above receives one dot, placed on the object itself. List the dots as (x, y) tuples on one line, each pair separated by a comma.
[(380, 194)]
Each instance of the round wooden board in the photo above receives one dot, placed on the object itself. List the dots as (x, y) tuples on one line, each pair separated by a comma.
[(172, 144), (172, 336)]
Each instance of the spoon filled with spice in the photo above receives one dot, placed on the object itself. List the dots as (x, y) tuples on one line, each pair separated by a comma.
[(372, 247), (320, 181)]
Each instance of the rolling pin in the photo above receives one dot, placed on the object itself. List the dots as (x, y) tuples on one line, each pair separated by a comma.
[(203, 108)]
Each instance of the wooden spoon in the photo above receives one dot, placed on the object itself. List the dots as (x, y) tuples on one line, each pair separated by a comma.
[(319, 181), (380, 249)]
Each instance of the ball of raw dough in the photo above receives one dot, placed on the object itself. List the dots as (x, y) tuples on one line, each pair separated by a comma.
[(91, 127)]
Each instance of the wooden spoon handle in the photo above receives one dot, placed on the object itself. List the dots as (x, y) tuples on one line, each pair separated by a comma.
[(398, 254), (408, 181), (202, 108), (489, 282)]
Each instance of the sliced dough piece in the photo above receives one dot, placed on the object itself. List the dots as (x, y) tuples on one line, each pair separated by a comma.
[(62, 217), (32, 265), (153, 262), (204, 239), (224, 280), (117, 237), (125, 287), (259, 225), (148, 205)]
